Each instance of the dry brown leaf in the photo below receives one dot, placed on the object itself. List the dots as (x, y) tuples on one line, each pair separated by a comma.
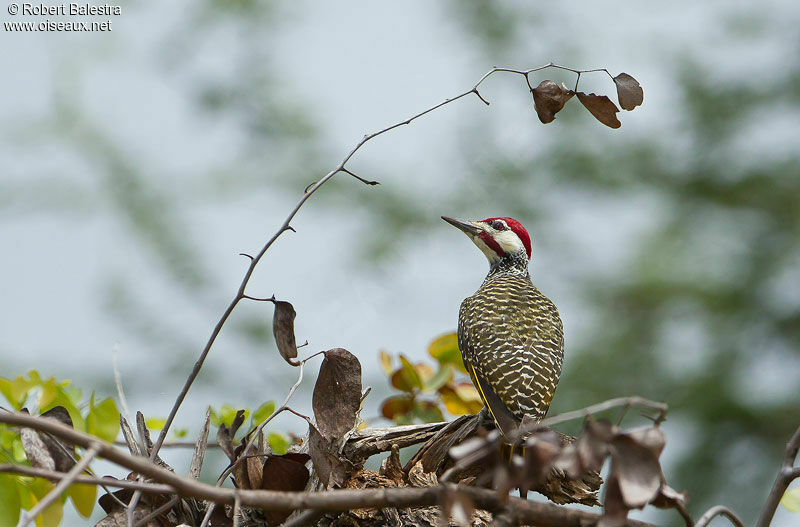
[(637, 471), (46, 451), (284, 473), (331, 469), (603, 109), (283, 330), (549, 98), (337, 393), (629, 92)]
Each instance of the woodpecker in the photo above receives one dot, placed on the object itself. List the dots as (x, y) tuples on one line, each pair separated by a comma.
[(510, 334)]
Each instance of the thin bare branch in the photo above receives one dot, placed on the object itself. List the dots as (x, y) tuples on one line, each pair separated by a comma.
[(719, 510), (786, 475), (62, 485), (361, 179), (199, 453), (270, 299), (237, 505), (151, 488), (123, 402), (597, 408)]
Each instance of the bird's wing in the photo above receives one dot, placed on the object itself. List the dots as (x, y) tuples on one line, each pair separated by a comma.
[(515, 364), (469, 338)]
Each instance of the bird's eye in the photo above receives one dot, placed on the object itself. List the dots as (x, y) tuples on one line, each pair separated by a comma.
[(498, 225)]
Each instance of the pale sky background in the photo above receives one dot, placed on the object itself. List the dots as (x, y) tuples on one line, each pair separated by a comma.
[(358, 67)]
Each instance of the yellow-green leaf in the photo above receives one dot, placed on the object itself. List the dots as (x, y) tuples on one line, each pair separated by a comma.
[(442, 377), (180, 432), (10, 503), (791, 500), (83, 498), (278, 443), (103, 419), (262, 412), (155, 423), (410, 373), (461, 399), (445, 350), (51, 516), (386, 362), (225, 415)]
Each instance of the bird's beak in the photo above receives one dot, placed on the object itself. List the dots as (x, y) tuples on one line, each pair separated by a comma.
[(466, 226)]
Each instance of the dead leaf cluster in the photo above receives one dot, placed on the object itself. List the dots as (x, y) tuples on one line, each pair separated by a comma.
[(549, 98)]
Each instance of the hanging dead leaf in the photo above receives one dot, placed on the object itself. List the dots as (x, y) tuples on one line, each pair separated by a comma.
[(549, 98), (283, 330), (603, 109), (337, 393), (629, 92)]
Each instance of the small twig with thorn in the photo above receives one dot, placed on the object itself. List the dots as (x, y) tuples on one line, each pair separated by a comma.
[(270, 299), (361, 179)]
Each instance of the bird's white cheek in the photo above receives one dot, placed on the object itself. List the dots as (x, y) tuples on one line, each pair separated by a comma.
[(509, 241), (489, 252)]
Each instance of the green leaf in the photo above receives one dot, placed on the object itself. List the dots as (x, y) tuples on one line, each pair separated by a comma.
[(83, 498), (51, 516), (103, 419), (445, 350), (428, 412), (397, 407), (407, 378), (791, 500), (225, 415), (64, 398), (155, 423), (262, 412), (179, 432), (442, 377), (10, 503), (278, 443)]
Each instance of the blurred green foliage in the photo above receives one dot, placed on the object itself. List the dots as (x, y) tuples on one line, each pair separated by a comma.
[(38, 395)]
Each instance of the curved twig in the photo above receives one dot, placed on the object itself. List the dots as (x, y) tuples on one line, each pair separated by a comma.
[(786, 475), (719, 510)]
